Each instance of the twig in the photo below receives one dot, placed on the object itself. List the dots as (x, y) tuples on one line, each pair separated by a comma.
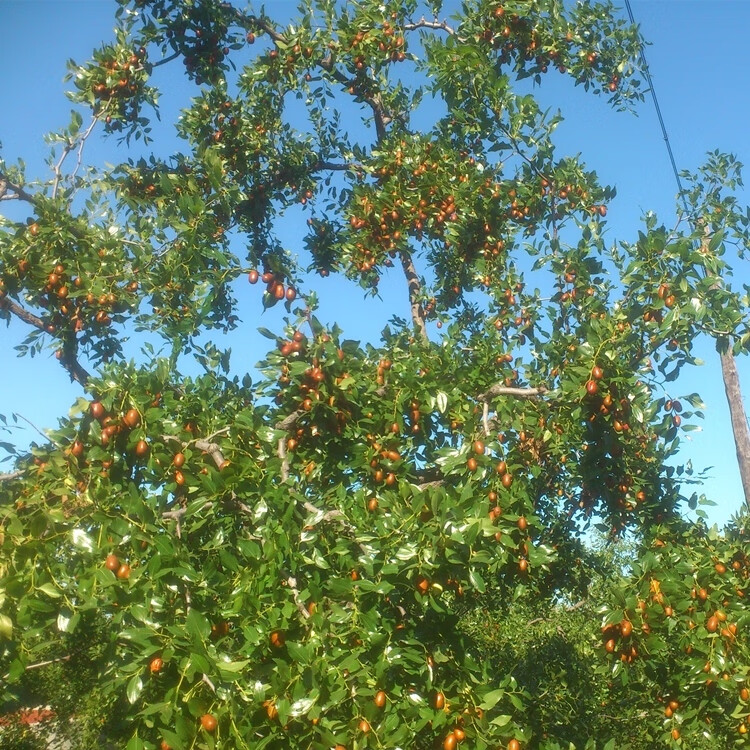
[(82, 143), (165, 60), (33, 426), (40, 664), (208, 682), (291, 582), (176, 515), (485, 418), (57, 168)]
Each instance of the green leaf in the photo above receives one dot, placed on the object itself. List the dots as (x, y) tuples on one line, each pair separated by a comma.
[(6, 627), (491, 699), (134, 688)]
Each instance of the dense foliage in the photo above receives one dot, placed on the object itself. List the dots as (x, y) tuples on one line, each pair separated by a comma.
[(317, 554)]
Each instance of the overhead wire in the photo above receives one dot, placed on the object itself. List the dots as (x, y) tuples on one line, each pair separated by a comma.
[(652, 89)]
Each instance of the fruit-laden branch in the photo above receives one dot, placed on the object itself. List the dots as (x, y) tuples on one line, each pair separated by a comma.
[(382, 118), (415, 289), (76, 371), (739, 419)]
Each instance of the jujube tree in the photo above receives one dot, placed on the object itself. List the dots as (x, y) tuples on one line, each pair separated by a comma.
[(281, 558)]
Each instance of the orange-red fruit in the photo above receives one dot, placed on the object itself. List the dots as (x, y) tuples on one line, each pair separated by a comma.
[(449, 743), (97, 409), (423, 585), (459, 734), (179, 460), (112, 563), (364, 726), (507, 480), (165, 745), (380, 698), (77, 449), (141, 448), (123, 571), (712, 624), (439, 701), (522, 523), (514, 745), (479, 447), (626, 628), (591, 387), (209, 722), (179, 478), (277, 639), (471, 464), (155, 665), (132, 418), (253, 276), (597, 373)]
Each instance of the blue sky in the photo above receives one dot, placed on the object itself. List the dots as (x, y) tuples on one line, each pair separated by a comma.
[(697, 59)]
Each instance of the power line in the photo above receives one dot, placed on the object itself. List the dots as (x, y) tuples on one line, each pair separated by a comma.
[(650, 82)]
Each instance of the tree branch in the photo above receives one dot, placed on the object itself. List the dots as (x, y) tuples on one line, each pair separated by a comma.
[(18, 193), (289, 421), (423, 23), (415, 288), (76, 371), (738, 419), (213, 450), (291, 582), (382, 118), (22, 313), (11, 475), (504, 390)]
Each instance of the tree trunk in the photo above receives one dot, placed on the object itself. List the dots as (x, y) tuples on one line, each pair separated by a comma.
[(739, 420)]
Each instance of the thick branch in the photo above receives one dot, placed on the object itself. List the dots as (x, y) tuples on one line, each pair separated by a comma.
[(415, 289), (12, 475), (213, 450), (503, 390), (423, 23), (9, 191), (69, 362), (739, 419), (382, 118), (22, 313), (288, 422)]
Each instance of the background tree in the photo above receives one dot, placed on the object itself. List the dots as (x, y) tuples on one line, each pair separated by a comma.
[(285, 562)]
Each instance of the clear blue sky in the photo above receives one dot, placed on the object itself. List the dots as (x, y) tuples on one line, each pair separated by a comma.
[(698, 62)]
